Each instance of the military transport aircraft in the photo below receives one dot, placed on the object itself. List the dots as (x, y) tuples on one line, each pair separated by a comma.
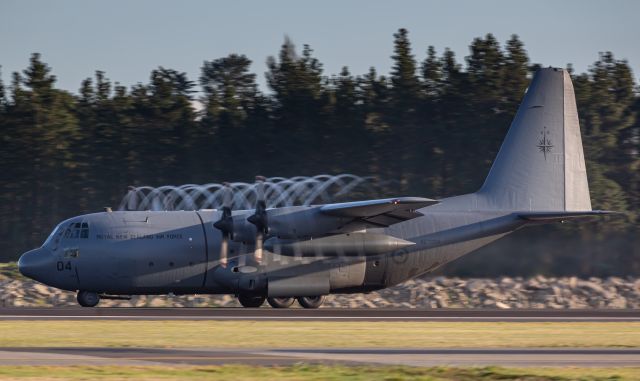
[(307, 252)]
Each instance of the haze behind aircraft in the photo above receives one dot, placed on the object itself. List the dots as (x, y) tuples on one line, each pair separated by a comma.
[(307, 252)]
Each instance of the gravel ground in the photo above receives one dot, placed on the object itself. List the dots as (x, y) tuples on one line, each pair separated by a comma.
[(439, 292)]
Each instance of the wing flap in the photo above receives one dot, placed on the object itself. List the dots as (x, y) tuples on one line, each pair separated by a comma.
[(382, 212)]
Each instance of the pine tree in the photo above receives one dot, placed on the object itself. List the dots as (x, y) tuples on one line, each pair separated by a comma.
[(486, 120), (406, 86), (403, 114), (453, 110), (432, 76), (346, 131), (3, 99), (514, 77), (230, 91), (485, 72), (433, 89), (605, 99), (300, 107)]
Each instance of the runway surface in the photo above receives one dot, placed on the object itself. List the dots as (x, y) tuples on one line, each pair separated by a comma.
[(323, 314), (581, 357), (413, 357)]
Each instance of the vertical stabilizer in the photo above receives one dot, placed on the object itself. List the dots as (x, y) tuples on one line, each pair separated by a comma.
[(540, 165)]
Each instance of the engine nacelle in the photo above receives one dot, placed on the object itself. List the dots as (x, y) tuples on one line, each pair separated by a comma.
[(350, 244), (295, 223)]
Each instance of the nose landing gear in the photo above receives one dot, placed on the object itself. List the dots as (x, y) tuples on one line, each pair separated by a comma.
[(88, 298), (251, 301)]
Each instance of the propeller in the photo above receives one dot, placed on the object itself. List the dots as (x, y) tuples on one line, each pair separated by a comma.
[(225, 224), (132, 199), (259, 219)]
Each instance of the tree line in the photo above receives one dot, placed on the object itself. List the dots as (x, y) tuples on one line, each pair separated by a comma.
[(432, 125)]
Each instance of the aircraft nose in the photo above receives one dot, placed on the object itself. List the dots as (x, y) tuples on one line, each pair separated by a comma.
[(34, 263)]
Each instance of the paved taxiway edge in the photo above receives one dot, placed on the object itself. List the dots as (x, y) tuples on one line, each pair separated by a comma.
[(581, 357), (324, 314)]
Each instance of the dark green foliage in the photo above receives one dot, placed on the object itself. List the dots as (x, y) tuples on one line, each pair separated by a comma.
[(230, 91), (3, 99), (430, 128), (300, 111)]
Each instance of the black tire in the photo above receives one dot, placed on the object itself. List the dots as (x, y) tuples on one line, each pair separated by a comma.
[(311, 301), (280, 302), (251, 301), (88, 298)]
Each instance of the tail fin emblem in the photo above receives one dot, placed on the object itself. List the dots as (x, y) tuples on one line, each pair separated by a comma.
[(544, 144)]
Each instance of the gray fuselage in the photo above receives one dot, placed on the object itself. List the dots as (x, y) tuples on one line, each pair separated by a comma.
[(150, 252)]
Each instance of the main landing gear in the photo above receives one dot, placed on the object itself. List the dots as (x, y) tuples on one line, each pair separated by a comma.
[(280, 302), (88, 298), (255, 301), (311, 301)]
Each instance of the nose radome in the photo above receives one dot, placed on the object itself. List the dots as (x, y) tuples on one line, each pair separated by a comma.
[(35, 263)]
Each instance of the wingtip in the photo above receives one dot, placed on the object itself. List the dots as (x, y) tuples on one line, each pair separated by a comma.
[(611, 213), (415, 200)]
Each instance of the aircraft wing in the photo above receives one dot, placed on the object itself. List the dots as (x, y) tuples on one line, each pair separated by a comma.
[(383, 212), (545, 217)]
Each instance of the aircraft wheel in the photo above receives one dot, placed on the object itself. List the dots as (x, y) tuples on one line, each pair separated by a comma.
[(280, 302), (88, 298), (251, 301), (311, 301)]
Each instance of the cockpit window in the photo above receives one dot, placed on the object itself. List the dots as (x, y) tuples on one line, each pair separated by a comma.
[(77, 230), (55, 232), (54, 237), (84, 232), (73, 230)]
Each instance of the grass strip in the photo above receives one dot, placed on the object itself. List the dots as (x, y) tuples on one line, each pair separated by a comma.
[(308, 334)]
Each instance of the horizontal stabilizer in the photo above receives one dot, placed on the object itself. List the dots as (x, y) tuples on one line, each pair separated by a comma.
[(383, 212), (545, 217), (501, 225)]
